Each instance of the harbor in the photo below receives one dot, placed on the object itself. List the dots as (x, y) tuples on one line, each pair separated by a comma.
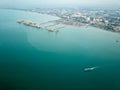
[(37, 59), (38, 25)]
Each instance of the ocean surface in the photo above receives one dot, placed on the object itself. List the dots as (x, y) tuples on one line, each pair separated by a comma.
[(35, 59)]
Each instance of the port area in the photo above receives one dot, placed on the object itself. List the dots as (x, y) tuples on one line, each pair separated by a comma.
[(69, 22), (37, 25)]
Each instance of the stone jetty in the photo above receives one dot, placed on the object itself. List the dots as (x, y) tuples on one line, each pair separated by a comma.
[(36, 25)]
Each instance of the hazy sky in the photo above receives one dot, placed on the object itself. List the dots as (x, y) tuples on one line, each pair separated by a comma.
[(52, 3)]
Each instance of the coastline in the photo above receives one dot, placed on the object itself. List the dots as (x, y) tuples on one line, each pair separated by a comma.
[(58, 22)]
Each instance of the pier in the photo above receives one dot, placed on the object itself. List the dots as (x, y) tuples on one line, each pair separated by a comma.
[(37, 25), (51, 25)]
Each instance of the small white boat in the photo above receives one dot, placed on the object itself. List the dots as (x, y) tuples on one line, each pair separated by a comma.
[(89, 69)]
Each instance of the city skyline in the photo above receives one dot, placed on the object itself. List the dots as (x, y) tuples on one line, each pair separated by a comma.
[(59, 3)]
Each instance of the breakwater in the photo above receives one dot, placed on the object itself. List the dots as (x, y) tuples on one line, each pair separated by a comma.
[(36, 25)]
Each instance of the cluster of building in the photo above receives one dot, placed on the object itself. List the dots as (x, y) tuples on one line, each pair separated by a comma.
[(104, 19), (108, 19)]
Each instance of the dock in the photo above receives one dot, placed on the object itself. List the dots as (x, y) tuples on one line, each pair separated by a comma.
[(37, 25)]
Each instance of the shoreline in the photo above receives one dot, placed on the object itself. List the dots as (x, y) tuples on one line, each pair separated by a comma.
[(54, 21)]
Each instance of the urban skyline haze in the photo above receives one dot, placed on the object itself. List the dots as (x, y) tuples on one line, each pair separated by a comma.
[(59, 3)]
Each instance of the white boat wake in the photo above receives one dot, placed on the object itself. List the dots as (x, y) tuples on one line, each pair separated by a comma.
[(90, 69)]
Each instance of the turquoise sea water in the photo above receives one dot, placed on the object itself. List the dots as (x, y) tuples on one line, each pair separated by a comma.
[(35, 59)]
